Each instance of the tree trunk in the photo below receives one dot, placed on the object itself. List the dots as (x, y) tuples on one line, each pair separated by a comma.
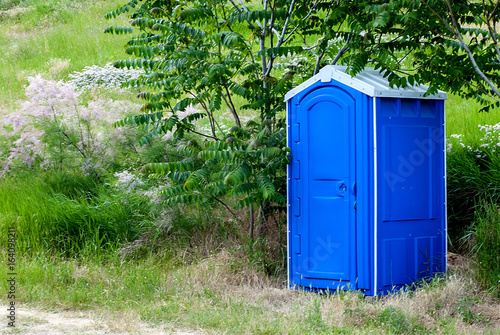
[(252, 223)]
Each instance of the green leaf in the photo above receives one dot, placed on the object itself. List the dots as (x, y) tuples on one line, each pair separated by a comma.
[(257, 15), (121, 10), (194, 14), (230, 39), (239, 175), (135, 64), (282, 51), (118, 30), (185, 199), (164, 168), (381, 20), (266, 187), (216, 100), (217, 70), (196, 178)]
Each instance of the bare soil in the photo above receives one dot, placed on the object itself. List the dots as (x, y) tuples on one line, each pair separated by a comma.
[(30, 321)]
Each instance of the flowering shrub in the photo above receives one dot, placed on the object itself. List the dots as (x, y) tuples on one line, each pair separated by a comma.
[(54, 127), (491, 138), (132, 184), (456, 140), (298, 63), (489, 143), (127, 181), (107, 77)]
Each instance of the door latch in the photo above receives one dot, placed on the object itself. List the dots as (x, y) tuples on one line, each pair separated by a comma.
[(341, 188)]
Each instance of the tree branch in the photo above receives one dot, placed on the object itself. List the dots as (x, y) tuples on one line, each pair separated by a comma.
[(212, 137), (211, 118), (225, 205), (341, 52), (456, 32), (318, 60), (240, 11), (281, 38), (235, 6), (71, 142), (271, 24), (471, 56), (320, 56), (492, 30), (231, 106), (305, 18)]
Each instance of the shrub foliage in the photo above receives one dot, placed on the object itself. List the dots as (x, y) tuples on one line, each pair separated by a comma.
[(222, 56)]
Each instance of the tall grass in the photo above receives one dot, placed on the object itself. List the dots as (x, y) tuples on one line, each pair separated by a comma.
[(463, 117), (69, 219), (469, 179), (485, 245)]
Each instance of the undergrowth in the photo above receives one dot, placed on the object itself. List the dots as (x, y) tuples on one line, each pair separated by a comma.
[(484, 243), (223, 293), (63, 216)]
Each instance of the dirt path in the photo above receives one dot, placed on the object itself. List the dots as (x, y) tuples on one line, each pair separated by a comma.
[(35, 322)]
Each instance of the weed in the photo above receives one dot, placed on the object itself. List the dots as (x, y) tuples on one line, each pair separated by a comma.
[(8, 4), (394, 319), (464, 309)]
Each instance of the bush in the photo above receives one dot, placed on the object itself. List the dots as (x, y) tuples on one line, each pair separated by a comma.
[(62, 178), (473, 173), (56, 129), (107, 77), (485, 245)]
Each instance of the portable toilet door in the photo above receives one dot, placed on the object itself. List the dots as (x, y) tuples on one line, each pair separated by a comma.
[(366, 187)]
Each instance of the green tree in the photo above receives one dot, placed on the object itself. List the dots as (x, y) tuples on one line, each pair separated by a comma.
[(222, 57), (225, 56), (448, 44)]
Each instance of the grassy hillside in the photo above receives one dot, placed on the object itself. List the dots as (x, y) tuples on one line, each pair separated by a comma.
[(53, 38)]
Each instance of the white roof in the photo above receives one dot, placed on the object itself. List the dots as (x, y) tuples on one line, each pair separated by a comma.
[(369, 81)]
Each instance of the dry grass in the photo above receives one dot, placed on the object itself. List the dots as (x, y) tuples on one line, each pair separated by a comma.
[(228, 272), (56, 66), (224, 293), (454, 305)]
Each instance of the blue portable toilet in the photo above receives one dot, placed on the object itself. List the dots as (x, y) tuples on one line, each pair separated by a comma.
[(366, 183)]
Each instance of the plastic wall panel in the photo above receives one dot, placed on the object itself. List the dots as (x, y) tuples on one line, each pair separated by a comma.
[(411, 193)]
